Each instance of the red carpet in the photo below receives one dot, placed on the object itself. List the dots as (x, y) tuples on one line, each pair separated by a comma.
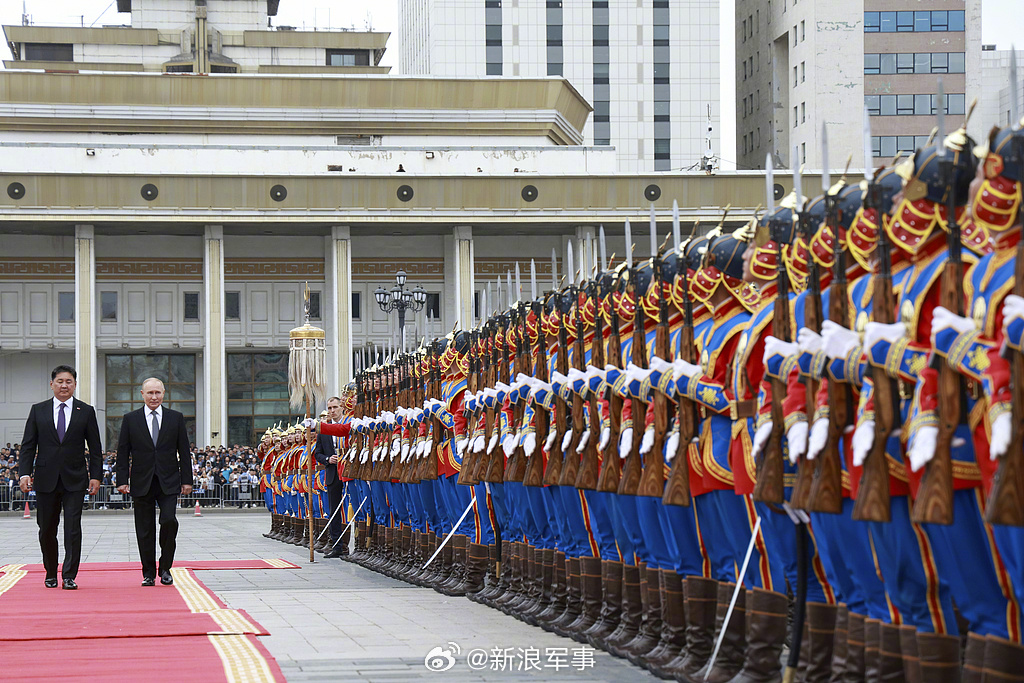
[(180, 564), (182, 632)]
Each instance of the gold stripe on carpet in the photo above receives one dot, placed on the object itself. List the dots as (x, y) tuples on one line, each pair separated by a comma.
[(232, 621), (12, 574), (279, 564), (243, 663), (194, 595)]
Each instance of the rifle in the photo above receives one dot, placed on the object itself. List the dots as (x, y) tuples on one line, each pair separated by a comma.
[(827, 489), (611, 470), (515, 469), (934, 501), (631, 471), (553, 471), (652, 482), (801, 494), (397, 382), (495, 470), (571, 465), (872, 502), (677, 488), (591, 463), (467, 475), (428, 469), (534, 474)]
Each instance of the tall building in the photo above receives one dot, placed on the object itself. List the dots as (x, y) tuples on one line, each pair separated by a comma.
[(995, 108), (651, 69), (801, 63)]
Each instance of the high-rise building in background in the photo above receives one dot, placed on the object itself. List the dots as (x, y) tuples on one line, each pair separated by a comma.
[(994, 108), (650, 70), (801, 63)]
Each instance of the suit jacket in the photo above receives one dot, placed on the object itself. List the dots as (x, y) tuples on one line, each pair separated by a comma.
[(323, 450), (139, 461), (46, 458)]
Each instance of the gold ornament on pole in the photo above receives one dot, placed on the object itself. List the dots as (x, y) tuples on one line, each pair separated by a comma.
[(307, 384)]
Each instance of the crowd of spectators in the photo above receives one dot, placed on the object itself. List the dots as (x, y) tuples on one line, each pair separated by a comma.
[(221, 476)]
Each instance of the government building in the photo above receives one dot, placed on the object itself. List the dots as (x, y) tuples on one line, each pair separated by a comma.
[(168, 189)]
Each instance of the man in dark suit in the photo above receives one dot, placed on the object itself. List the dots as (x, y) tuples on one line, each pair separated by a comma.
[(53, 461), (154, 465), (327, 453)]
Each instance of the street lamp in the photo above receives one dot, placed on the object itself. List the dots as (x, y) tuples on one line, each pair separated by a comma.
[(400, 299)]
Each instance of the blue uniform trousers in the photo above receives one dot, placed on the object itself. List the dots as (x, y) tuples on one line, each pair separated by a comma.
[(602, 526), (679, 526), (649, 512)]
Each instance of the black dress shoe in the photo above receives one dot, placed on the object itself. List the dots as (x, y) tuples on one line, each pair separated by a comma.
[(69, 585), (148, 581), (51, 583), (166, 578)]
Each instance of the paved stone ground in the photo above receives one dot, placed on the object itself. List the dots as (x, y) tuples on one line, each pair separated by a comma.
[(333, 620)]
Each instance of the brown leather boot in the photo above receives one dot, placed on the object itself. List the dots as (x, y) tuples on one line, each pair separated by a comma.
[(499, 565), (514, 565), (1004, 661), (673, 623), (974, 670), (890, 654), (632, 612), (573, 601), (273, 526), (908, 650), (767, 614), (476, 567), (872, 639), (611, 606), (460, 553), (530, 601), (940, 656), (821, 633), (701, 600), (650, 630), (838, 664), (490, 575), (854, 670), (541, 586), (590, 588), (730, 655), (559, 590)]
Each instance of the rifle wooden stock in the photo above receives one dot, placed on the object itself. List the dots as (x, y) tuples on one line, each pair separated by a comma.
[(553, 471), (571, 466), (495, 472), (652, 481), (591, 463), (677, 487), (515, 468), (770, 486), (466, 474), (534, 475), (1006, 501), (632, 469), (800, 497), (611, 463)]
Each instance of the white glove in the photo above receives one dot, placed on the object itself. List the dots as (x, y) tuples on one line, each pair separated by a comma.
[(396, 447), (625, 442), (796, 438), (819, 436), (776, 347), (530, 444), (508, 445), (478, 443), (421, 446), (606, 435), (863, 439), (1001, 428), (836, 340), (761, 438), (875, 332), (680, 369), (460, 447), (405, 451), (671, 446), (808, 340), (365, 455), (429, 448), (647, 442), (1013, 309), (922, 449), (493, 442), (309, 423), (566, 440), (943, 318), (550, 441), (584, 438)]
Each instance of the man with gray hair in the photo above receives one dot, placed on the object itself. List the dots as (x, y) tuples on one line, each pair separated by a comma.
[(154, 465)]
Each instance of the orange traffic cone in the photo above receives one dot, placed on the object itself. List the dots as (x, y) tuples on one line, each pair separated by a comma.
[(198, 513), (27, 515)]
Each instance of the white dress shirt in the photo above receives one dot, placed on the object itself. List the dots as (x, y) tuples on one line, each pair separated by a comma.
[(67, 411)]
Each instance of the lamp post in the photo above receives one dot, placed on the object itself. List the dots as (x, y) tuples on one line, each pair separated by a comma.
[(400, 299)]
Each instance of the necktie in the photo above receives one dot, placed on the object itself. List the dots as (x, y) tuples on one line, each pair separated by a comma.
[(61, 423), (156, 427)]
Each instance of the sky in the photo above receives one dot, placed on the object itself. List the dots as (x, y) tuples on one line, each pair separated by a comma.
[(1002, 20)]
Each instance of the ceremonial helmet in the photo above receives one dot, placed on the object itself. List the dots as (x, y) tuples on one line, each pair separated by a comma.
[(693, 250), (996, 202), (652, 299), (723, 265), (862, 235), (926, 194)]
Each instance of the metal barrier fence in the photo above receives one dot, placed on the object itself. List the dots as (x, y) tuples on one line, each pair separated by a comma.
[(109, 498)]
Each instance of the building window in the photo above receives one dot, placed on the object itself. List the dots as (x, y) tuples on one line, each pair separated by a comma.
[(796, 118), (601, 73), (803, 152), (889, 145), (191, 306), (314, 306), (794, 36), (49, 52), (179, 68), (232, 306), (257, 394), (803, 112), (918, 22), (493, 68), (223, 69), (919, 105), (433, 306), (803, 72), (357, 305), (796, 80), (65, 307), (803, 31), (914, 63), (125, 375), (493, 35), (108, 307), (348, 57)]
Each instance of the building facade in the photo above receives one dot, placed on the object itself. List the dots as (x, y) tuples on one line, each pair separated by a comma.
[(801, 63), (651, 70)]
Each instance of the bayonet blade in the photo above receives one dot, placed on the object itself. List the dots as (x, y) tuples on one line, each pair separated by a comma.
[(869, 164), (570, 276), (508, 290), (797, 186), (519, 285), (826, 179), (604, 248), (654, 233), (676, 238), (629, 245), (769, 183), (940, 117), (533, 280), (554, 270)]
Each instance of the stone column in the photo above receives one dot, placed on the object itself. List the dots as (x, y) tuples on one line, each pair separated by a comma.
[(214, 357), (340, 349), (463, 272), (85, 314)]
